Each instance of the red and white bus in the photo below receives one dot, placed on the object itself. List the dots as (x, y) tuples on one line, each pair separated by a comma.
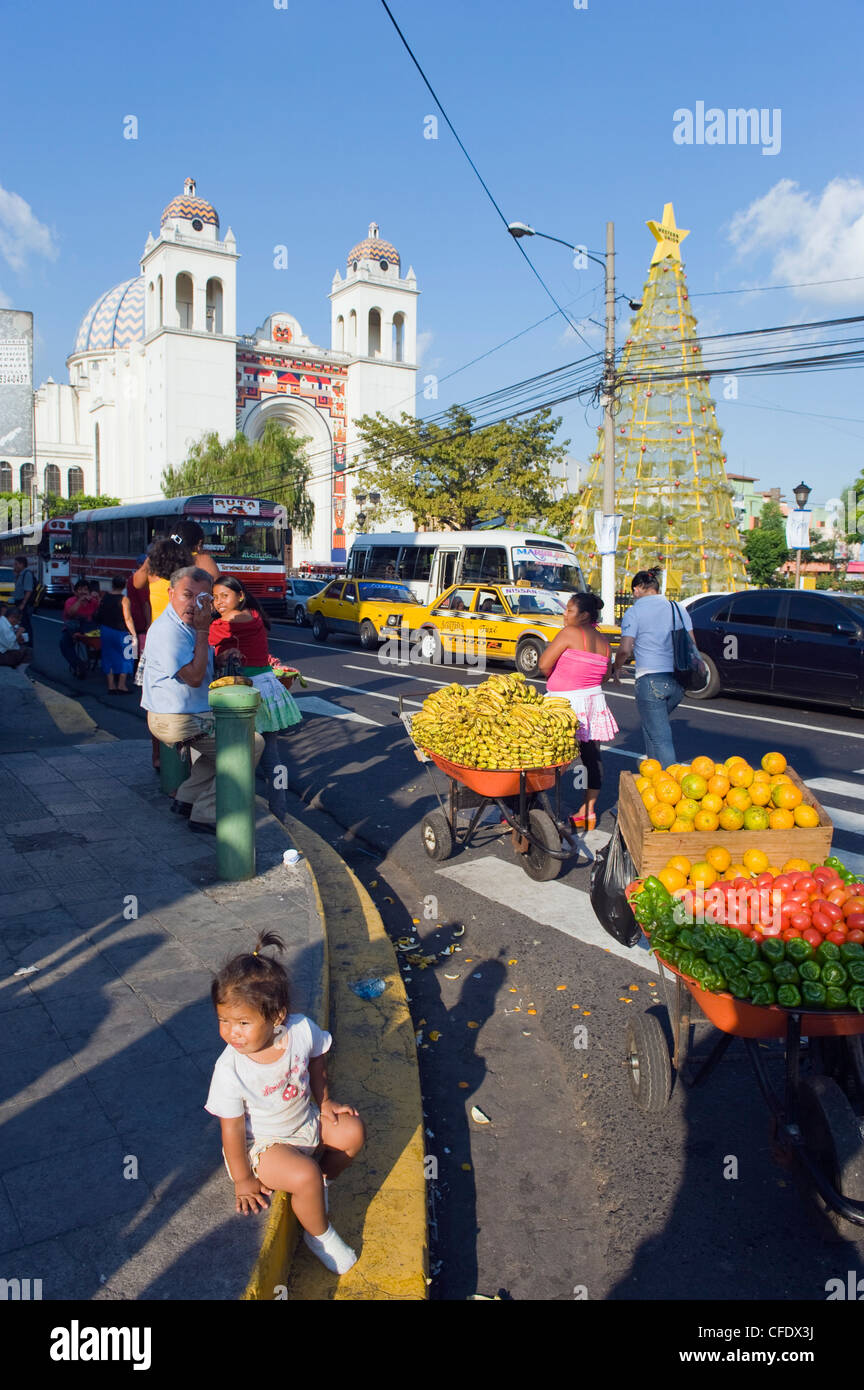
[(47, 545), (245, 536)]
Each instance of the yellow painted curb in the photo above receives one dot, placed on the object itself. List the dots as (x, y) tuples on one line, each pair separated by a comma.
[(69, 715), (379, 1204)]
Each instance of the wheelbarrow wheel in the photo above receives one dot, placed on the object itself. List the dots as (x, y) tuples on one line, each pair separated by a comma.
[(535, 861), (437, 835), (832, 1139), (649, 1067)]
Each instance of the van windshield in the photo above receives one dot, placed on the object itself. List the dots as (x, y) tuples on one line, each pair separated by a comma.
[(547, 569)]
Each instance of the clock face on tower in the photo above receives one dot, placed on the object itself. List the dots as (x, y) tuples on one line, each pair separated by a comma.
[(197, 225)]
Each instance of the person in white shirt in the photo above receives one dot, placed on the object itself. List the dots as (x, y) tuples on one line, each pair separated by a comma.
[(14, 650)]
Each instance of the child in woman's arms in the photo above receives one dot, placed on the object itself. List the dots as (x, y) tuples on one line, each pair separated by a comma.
[(280, 1129)]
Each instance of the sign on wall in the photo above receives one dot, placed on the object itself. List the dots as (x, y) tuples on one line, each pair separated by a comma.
[(16, 384)]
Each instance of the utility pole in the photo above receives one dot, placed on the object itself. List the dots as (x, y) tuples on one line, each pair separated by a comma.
[(607, 580)]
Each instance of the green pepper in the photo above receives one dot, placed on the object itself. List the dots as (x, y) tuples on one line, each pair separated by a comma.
[(789, 996), (856, 971), (847, 877), (729, 963), (797, 950), (713, 951), (700, 939), (835, 863), (728, 935), (657, 890), (836, 998), (686, 962), (759, 971), (701, 972), (851, 950), (785, 973), (685, 936), (773, 949), (809, 970), (827, 951), (834, 974), (813, 994), (856, 998), (746, 948), (765, 994), (739, 985)]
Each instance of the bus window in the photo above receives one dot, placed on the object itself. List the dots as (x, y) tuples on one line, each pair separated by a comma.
[(382, 562), (92, 544), (119, 541), (79, 539), (415, 562), (357, 562), (137, 536), (479, 562)]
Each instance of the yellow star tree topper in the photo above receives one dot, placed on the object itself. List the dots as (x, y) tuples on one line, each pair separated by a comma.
[(669, 236)]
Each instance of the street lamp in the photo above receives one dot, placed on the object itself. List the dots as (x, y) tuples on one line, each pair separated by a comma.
[(608, 534), (798, 528), (801, 493)]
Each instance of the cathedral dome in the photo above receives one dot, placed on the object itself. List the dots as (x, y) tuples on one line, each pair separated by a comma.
[(372, 248), (190, 207), (115, 320)]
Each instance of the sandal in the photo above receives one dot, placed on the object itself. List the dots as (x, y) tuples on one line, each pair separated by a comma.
[(579, 822)]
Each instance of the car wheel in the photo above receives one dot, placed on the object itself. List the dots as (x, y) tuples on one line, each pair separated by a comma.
[(300, 615), (429, 644), (319, 628), (712, 683), (528, 657), (368, 636)]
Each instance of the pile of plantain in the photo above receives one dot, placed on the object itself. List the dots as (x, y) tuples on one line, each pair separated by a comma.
[(504, 723)]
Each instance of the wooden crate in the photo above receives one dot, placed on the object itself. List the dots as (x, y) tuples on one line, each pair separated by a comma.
[(651, 849)]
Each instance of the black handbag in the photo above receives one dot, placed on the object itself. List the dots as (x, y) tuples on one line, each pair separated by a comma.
[(683, 652)]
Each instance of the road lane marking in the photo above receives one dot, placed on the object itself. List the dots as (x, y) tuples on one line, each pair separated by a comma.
[(833, 784), (845, 820), (753, 718), (360, 690), (313, 704), (387, 669), (555, 905)]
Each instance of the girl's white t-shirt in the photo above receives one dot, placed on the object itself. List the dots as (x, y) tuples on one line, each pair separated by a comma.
[(274, 1097)]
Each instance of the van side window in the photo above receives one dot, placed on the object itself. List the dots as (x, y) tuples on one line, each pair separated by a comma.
[(484, 562), (382, 562), (416, 562)]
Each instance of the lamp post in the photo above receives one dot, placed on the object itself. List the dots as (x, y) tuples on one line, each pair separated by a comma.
[(608, 538), (799, 530)]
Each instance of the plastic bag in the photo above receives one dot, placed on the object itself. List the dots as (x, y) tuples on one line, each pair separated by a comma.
[(612, 870)]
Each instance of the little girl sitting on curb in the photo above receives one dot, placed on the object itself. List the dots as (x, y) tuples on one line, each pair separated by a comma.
[(269, 1089)]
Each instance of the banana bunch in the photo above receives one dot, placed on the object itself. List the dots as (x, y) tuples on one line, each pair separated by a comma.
[(503, 723)]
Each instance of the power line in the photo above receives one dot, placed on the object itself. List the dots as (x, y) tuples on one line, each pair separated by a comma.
[(762, 289)]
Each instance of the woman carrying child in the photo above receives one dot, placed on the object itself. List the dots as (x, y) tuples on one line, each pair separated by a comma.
[(280, 1129)]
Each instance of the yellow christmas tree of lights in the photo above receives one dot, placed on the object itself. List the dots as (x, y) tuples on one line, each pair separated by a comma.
[(670, 476)]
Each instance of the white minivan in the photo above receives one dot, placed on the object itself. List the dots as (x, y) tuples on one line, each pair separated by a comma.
[(430, 561)]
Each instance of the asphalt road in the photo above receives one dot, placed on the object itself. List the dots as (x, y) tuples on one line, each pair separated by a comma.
[(571, 1191)]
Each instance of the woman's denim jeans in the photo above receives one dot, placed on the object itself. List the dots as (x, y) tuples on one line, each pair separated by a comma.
[(656, 697)]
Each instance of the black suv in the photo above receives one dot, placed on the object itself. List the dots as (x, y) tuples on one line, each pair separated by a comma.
[(798, 644)]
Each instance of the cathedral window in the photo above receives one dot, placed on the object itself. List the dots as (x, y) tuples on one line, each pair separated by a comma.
[(340, 334), (75, 481), (214, 306), (28, 477), (5, 477), (352, 334), (398, 353), (183, 301), (374, 333), (52, 478)]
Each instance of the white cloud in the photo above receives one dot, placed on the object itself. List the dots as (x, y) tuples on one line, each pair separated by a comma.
[(424, 342), (5, 301), (593, 333), (808, 237), (22, 234)]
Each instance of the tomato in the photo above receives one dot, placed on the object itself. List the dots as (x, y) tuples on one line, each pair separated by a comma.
[(855, 921), (806, 884), (783, 882), (829, 909), (838, 937), (787, 911), (822, 923), (839, 896), (801, 921), (853, 905), (826, 875), (765, 880), (856, 935), (813, 937), (790, 933), (740, 882), (795, 875)]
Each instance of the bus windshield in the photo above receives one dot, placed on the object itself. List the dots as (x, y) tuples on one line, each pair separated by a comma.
[(61, 547), (241, 539), (546, 569)]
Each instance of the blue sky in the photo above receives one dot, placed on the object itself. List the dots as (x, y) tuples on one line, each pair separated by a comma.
[(303, 124)]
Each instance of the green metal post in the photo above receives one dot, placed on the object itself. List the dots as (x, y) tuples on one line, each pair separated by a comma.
[(172, 769), (234, 707)]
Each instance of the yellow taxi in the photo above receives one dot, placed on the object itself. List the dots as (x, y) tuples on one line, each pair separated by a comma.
[(509, 622), (362, 608)]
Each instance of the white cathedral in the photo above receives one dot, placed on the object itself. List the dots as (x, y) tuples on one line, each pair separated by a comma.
[(158, 361)]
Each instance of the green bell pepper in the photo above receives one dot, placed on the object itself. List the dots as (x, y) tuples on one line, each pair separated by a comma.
[(785, 973), (797, 950), (856, 998), (773, 949), (828, 951), (856, 971), (739, 985), (836, 998), (813, 994), (809, 970), (764, 994), (746, 948), (789, 996), (851, 950), (759, 971), (834, 974)]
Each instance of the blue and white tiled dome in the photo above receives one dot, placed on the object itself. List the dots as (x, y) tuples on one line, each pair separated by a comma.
[(115, 320)]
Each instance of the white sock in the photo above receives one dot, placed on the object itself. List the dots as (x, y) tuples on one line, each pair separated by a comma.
[(331, 1250)]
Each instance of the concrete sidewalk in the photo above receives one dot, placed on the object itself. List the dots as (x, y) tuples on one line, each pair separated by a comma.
[(111, 1177)]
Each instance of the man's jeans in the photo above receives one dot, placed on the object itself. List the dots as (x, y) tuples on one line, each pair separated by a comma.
[(656, 697)]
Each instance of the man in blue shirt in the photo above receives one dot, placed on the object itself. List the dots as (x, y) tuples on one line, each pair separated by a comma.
[(646, 634), (178, 669)]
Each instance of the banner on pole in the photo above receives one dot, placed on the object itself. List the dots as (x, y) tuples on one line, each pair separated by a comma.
[(16, 383), (798, 530), (607, 529)]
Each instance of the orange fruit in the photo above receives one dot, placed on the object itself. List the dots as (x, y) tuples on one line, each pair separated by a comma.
[(649, 798), (741, 775), (739, 871), (686, 808), (739, 798), (694, 786), (730, 875), (756, 860), (760, 793), (680, 862), (779, 777), (718, 785), (668, 790), (773, 870), (642, 784), (731, 818), (710, 802), (799, 866), (662, 816), (806, 815), (786, 796), (672, 879), (760, 776), (780, 820), (703, 874), (736, 758), (706, 820), (774, 762), (756, 818), (649, 766), (719, 858), (679, 825), (703, 767)]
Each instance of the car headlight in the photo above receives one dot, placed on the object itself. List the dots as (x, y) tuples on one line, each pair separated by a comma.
[(393, 620)]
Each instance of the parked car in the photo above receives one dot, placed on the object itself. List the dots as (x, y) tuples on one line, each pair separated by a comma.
[(296, 593), (798, 644), (368, 610)]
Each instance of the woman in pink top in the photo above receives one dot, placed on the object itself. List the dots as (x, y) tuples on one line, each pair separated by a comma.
[(575, 664)]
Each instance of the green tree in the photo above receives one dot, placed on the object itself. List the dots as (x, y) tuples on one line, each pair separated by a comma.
[(273, 467), (765, 546), (454, 475), (52, 504)]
